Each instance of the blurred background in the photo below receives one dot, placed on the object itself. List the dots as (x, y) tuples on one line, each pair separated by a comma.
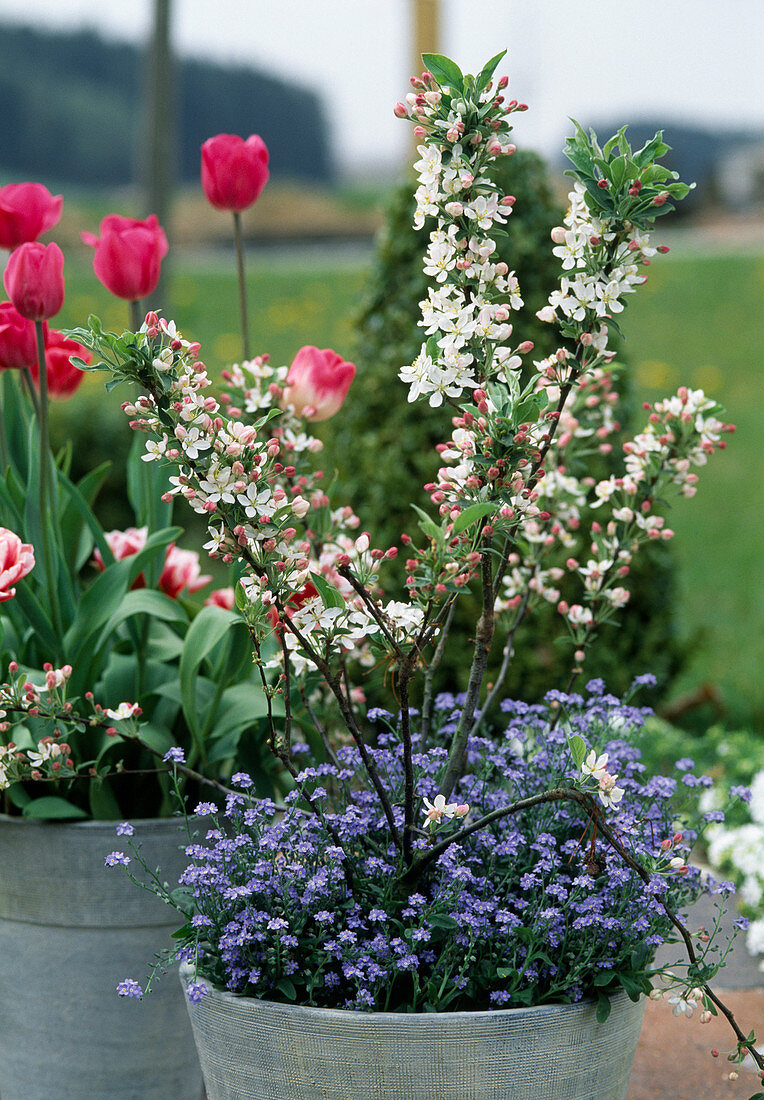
[(108, 103)]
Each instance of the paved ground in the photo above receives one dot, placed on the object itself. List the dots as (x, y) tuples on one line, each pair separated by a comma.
[(673, 1059)]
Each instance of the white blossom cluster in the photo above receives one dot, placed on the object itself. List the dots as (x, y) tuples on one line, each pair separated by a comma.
[(602, 266), (466, 314), (235, 474)]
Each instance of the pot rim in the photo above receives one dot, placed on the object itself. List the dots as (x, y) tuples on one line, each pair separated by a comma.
[(225, 995), (91, 822)]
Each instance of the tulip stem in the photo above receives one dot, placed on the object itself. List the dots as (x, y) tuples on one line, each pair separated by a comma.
[(46, 470), (3, 440), (29, 386), (237, 240), (135, 315)]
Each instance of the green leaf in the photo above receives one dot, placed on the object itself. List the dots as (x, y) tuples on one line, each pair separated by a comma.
[(577, 747), (103, 804), (653, 150), (144, 601), (287, 988), (446, 72), (614, 140), (474, 512), (18, 796), (205, 633), (485, 74), (442, 920), (51, 807), (617, 172), (240, 707), (427, 525), (330, 596), (603, 1008), (81, 497), (37, 617)]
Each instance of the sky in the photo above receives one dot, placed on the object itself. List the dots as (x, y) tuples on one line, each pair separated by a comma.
[(694, 61)]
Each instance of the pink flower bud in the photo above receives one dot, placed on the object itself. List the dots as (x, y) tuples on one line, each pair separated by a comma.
[(18, 340), (26, 211), (400, 110), (234, 171), (128, 255), (317, 383), (34, 280)]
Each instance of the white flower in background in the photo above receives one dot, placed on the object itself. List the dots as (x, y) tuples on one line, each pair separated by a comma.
[(124, 710)]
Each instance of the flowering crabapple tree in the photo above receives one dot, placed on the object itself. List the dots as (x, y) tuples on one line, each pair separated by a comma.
[(511, 487)]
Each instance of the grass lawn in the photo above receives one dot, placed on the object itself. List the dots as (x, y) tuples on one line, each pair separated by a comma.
[(699, 322), (694, 323)]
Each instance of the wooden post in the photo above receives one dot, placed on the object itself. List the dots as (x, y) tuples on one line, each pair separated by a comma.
[(426, 31), (160, 129), (425, 38)]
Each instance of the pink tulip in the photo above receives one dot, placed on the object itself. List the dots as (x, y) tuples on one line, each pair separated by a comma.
[(128, 256), (63, 377), (26, 211), (124, 544), (181, 567), (181, 570), (34, 280), (234, 171), (221, 597), (16, 560), (317, 383), (18, 344)]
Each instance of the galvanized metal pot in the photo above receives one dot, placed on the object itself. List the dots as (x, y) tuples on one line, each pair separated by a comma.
[(257, 1050), (70, 930)]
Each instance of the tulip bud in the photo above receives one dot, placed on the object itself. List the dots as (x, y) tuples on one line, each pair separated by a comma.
[(26, 211), (34, 280), (317, 383), (18, 341), (234, 171), (128, 255)]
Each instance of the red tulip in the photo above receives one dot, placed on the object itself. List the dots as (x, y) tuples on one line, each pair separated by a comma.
[(234, 171), (63, 377), (317, 383), (34, 280), (16, 560), (26, 211), (128, 256), (18, 344)]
